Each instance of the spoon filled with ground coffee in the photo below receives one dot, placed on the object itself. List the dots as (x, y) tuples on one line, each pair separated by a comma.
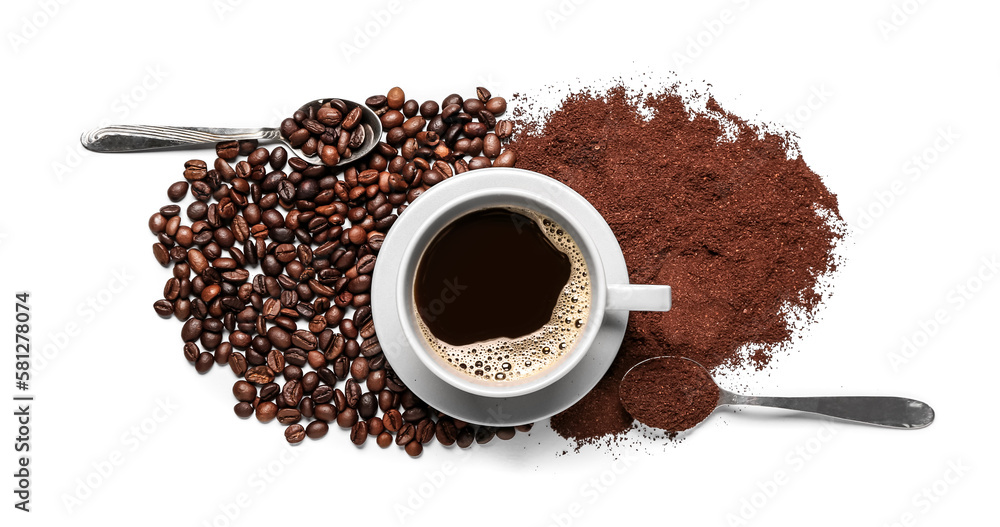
[(677, 393)]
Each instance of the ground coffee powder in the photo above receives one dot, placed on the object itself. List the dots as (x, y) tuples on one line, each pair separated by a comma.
[(703, 201), (671, 393)]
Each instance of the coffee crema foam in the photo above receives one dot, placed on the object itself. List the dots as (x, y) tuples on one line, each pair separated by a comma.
[(506, 359)]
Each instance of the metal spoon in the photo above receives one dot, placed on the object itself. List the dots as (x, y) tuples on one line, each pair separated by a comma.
[(891, 412), (137, 138)]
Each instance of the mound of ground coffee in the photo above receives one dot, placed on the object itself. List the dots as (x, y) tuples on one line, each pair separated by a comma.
[(703, 201), (671, 393)]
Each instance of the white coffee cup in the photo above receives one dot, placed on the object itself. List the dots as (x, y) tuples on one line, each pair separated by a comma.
[(436, 214)]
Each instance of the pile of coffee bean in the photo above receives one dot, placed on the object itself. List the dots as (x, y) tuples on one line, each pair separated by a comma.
[(330, 130), (299, 333)]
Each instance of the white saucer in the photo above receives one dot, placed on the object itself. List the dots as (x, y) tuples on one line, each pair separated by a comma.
[(443, 396)]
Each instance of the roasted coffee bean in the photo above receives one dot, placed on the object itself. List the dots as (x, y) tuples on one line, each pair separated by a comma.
[(484, 434), (392, 119), (481, 162), (387, 400), (506, 432), (164, 308), (376, 381), (413, 125), (287, 416), (191, 351), (414, 414), (375, 426), (352, 393), (278, 158), (195, 170), (507, 159), (384, 439), (406, 434), (244, 391), (260, 375), (504, 129), (227, 150), (414, 448), (347, 417), (410, 108), (317, 429), (269, 391), (359, 368), (375, 101), (295, 434), (429, 109), (475, 129), (223, 353), (177, 191), (360, 284), (191, 330), (266, 411), (238, 363), (392, 420), (371, 347), (491, 146), (310, 381), (466, 436), (367, 405), (304, 339), (359, 433), (352, 119), (322, 394), (204, 362), (293, 392), (395, 98), (341, 366), (243, 410), (446, 431), (326, 412)]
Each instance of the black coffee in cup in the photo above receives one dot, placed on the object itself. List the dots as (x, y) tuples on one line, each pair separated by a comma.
[(502, 293)]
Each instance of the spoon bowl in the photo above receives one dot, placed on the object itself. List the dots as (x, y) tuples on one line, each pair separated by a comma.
[(139, 138), (884, 411)]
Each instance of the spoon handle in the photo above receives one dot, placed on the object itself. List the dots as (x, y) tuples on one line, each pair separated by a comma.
[(892, 412), (136, 138)]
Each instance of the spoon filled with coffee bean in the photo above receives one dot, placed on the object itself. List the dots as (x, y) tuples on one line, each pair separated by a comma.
[(333, 132), (677, 393)]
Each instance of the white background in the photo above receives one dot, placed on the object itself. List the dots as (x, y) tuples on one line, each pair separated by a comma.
[(897, 80)]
